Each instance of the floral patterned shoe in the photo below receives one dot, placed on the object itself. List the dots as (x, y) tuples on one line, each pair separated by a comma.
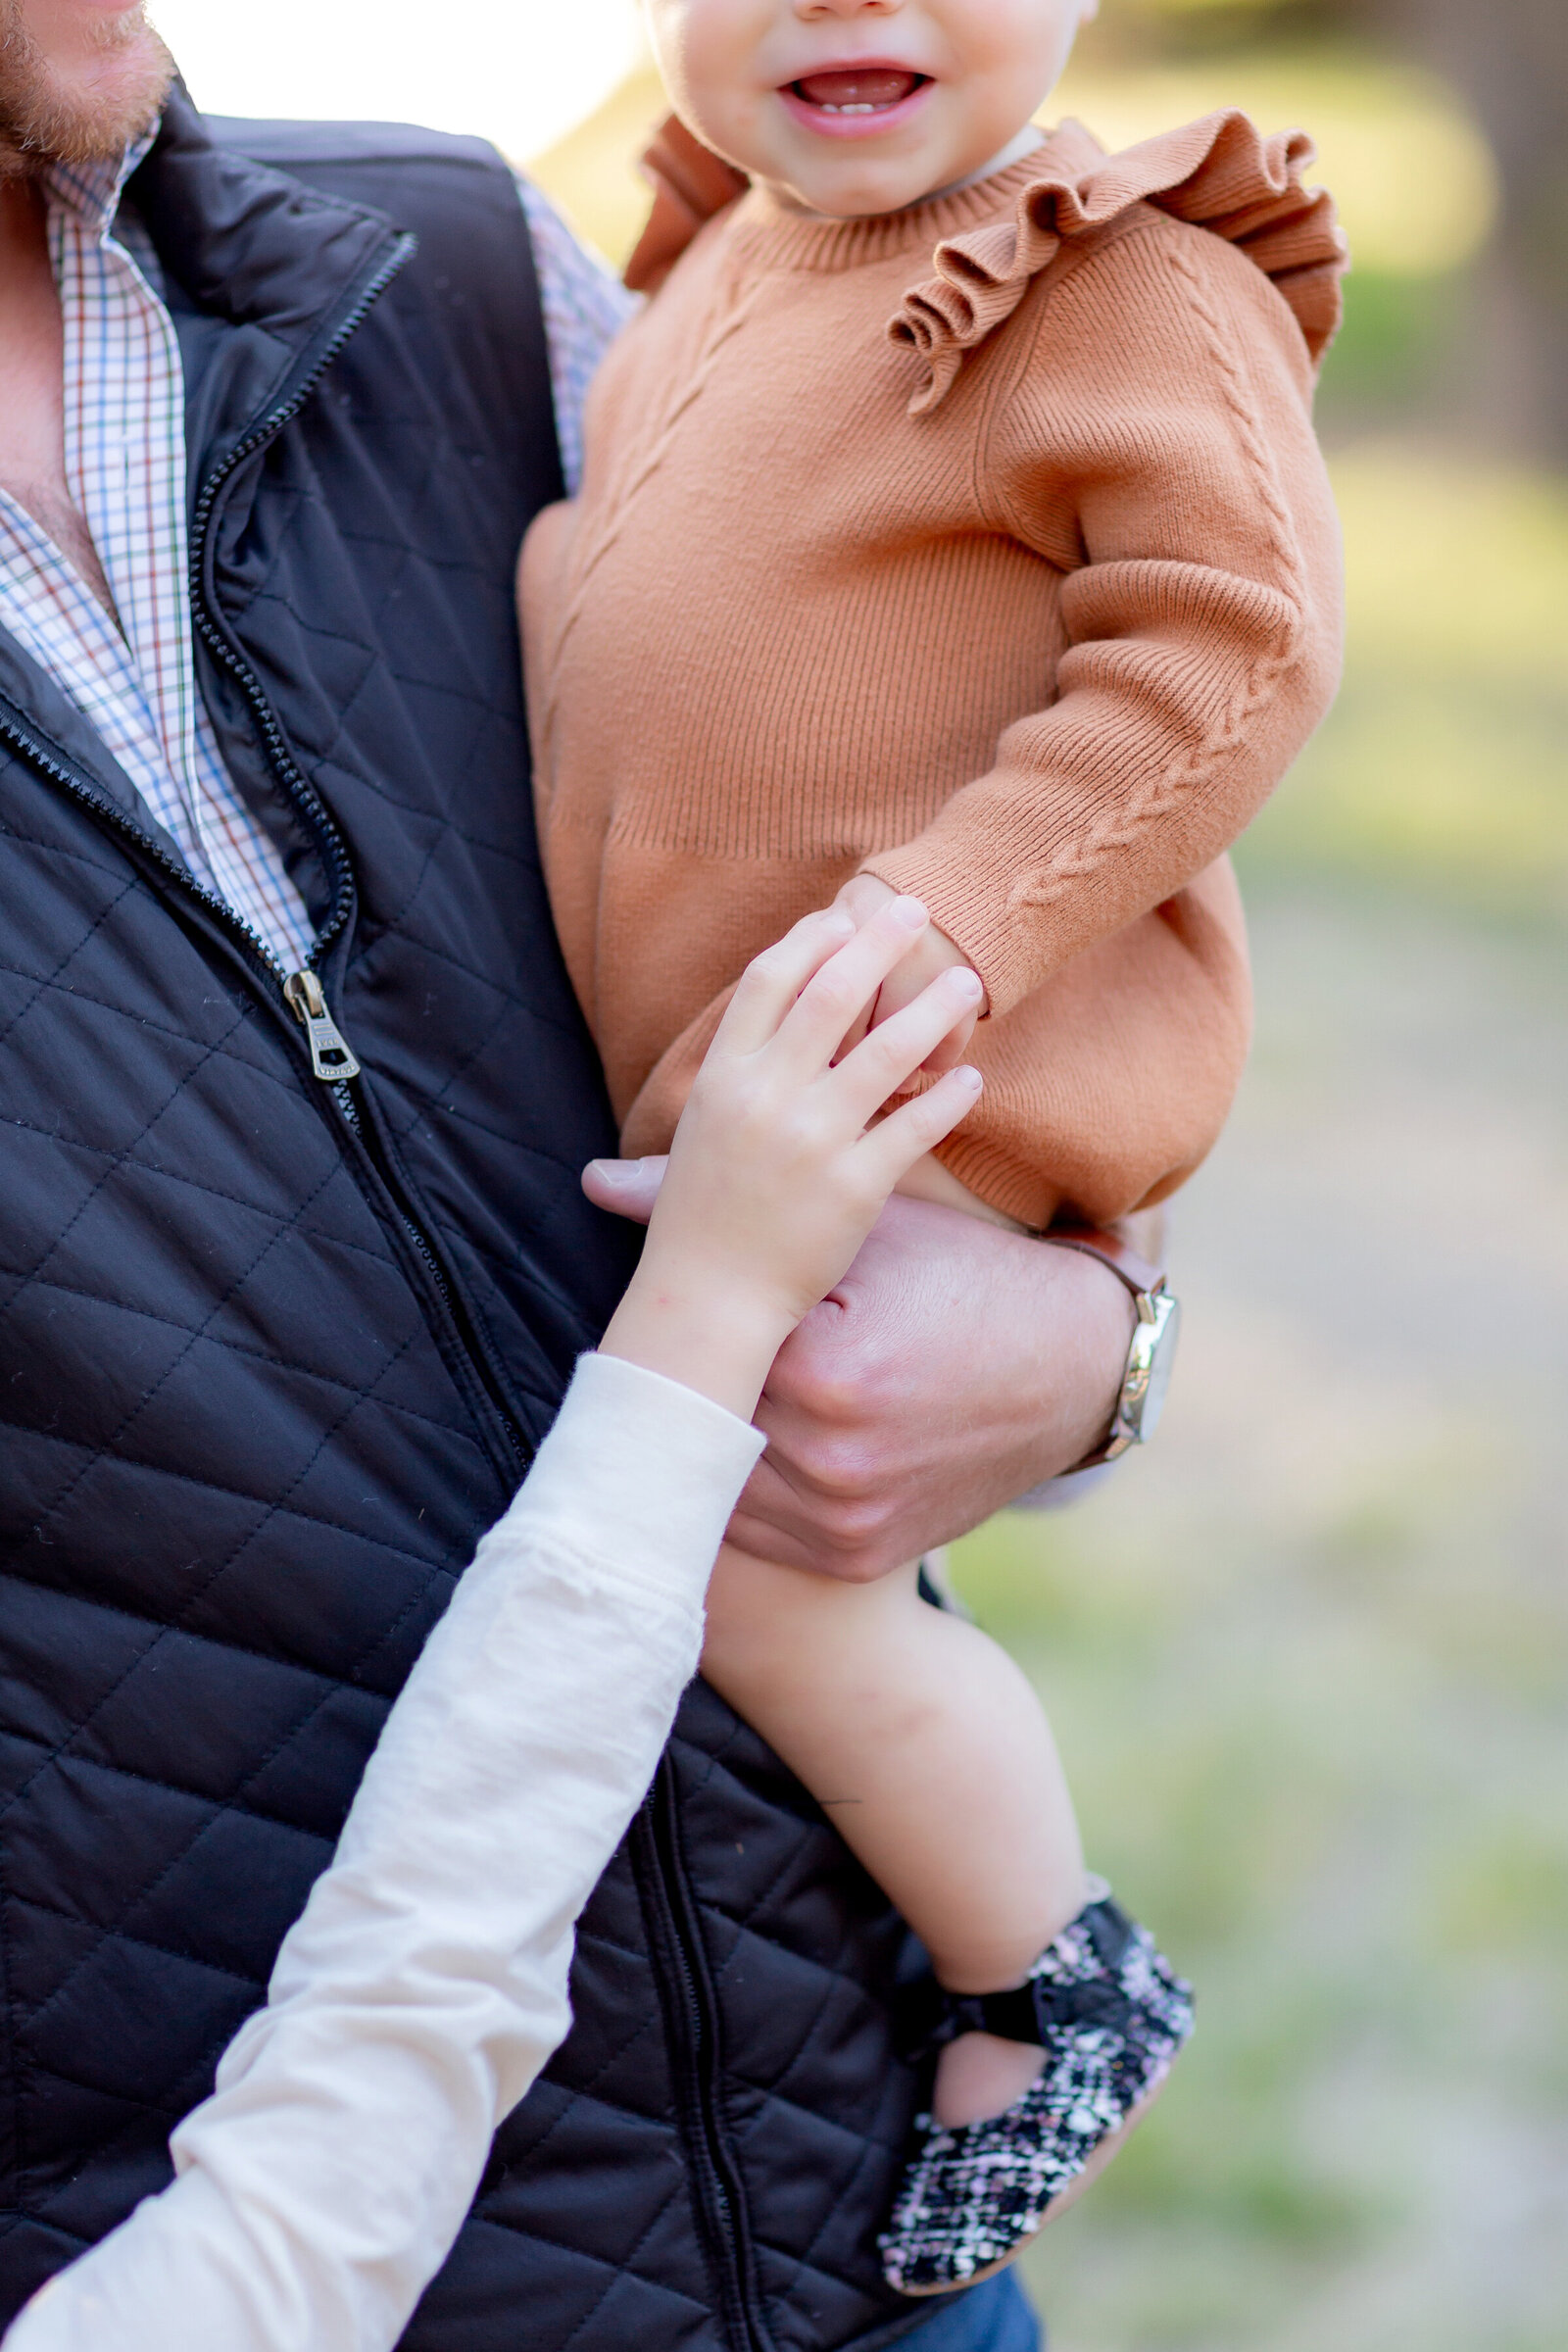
[(1110, 2016)]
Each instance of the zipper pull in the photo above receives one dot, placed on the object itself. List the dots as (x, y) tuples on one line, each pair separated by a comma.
[(330, 1055)]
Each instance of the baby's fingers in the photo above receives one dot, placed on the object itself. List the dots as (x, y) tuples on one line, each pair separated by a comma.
[(891, 1055), (951, 1049), (892, 1147)]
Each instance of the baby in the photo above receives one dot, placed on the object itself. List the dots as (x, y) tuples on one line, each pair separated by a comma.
[(952, 528)]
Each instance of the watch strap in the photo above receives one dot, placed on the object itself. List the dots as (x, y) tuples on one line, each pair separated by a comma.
[(1142, 1279)]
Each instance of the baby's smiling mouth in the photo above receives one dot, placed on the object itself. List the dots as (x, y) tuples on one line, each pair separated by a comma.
[(857, 89)]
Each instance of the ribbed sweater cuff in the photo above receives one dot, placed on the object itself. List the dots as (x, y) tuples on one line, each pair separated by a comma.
[(966, 897)]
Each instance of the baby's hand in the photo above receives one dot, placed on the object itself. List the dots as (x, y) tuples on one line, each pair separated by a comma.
[(933, 955)]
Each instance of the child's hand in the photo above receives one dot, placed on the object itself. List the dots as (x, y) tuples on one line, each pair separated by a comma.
[(934, 954), (777, 1172)]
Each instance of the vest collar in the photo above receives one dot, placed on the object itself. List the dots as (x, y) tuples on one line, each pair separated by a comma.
[(248, 243), (264, 275)]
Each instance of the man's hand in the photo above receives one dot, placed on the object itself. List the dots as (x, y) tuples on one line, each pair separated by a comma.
[(955, 1367)]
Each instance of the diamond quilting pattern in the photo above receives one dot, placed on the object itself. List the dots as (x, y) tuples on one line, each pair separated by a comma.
[(239, 1475)]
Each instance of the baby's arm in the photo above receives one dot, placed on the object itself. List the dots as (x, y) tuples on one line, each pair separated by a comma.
[(1158, 449)]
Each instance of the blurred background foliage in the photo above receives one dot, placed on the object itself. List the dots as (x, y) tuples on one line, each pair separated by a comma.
[(1308, 1658)]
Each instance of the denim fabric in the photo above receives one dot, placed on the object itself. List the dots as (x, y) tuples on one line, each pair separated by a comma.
[(994, 2318)]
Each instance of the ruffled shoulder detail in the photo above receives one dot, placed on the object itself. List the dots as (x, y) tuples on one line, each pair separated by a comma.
[(1220, 173), (690, 184)]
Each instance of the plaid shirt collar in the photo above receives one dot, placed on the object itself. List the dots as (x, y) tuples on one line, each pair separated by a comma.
[(91, 192), (132, 672)]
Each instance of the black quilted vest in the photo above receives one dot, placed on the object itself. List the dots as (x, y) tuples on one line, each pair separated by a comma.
[(275, 1352)]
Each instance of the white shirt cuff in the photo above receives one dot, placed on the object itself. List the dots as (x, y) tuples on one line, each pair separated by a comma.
[(640, 1471)]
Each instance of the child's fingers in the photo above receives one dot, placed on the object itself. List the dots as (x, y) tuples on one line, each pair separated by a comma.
[(771, 982), (951, 1049), (857, 1029), (844, 984), (894, 1050), (862, 896), (892, 1147)]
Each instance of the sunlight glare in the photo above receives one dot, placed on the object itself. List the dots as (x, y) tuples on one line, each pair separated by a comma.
[(519, 72)]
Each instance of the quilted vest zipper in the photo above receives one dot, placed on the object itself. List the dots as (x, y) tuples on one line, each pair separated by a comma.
[(292, 780), (259, 956), (332, 1060), (691, 2023)]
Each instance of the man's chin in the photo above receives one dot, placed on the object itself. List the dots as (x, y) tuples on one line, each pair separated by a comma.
[(84, 112)]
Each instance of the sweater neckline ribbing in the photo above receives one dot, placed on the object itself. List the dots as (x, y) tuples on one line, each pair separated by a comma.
[(787, 240)]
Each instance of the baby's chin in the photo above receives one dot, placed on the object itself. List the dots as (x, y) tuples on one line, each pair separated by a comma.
[(860, 186), (849, 178)]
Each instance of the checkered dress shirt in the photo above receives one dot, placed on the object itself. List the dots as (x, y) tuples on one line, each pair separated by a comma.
[(130, 673)]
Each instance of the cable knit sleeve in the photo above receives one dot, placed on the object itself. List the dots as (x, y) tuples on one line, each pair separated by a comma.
[(1155, 444)]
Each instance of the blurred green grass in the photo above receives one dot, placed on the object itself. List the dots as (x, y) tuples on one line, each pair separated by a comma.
[(1315, 1726), (1443, 766), (1307, 1661)]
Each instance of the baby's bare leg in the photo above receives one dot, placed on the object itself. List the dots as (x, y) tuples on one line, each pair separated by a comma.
[(930, 1751)]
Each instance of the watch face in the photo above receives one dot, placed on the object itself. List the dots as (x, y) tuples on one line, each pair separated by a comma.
[(1161, 1358)]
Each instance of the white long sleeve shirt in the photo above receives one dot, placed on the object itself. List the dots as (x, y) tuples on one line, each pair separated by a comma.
[(321, 2187)]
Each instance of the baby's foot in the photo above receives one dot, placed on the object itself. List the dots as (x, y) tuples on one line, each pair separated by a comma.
[(979, 2076), (1110, 2015)]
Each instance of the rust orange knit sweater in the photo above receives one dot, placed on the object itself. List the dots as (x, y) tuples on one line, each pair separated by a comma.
[(985, 545)]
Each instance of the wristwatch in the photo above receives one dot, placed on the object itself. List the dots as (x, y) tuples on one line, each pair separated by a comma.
[(1153, 1352)]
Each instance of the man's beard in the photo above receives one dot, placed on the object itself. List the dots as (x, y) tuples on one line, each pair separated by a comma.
[(46, 118)]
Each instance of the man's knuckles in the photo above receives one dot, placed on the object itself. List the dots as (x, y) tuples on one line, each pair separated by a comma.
[(840, 1369), (843, 1465)]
